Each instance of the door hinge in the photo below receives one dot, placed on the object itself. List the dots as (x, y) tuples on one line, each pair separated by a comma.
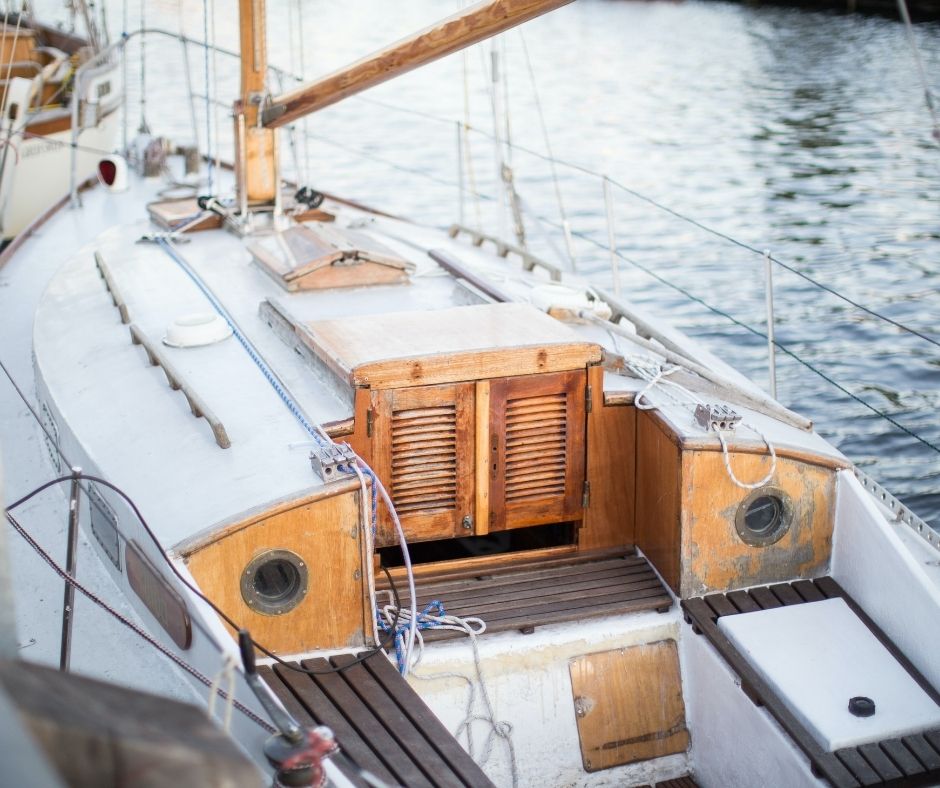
[(588, 404), (586, 495), (369, 423)]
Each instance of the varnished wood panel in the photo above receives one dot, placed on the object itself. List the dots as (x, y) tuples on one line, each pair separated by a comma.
[(325, 534), (611, 470), (658, 466), (549, 488), (714, 556), (628, 705), (403, 349), (420, 481)]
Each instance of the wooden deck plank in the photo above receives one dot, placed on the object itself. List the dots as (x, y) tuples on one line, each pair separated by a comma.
[(498, 576), (483, 590), (441, 739), (902, 757), (743, 602), (410, 738), (880, 762), (786, 594), (345, 700), (321, 711), (859, 767), (921, 748), (720, 604), (808, 591), (765, 598)]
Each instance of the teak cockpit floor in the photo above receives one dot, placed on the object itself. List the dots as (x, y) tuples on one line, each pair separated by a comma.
[(379, 722), (542, 592), (907, 761)]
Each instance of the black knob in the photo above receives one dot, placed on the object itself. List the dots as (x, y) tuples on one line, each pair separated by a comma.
[(861, 706)]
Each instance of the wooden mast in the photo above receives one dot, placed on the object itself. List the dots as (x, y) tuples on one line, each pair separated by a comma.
[(450, 35), (255, 146)]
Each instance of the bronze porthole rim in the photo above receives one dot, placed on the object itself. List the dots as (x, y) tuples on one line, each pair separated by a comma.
[(255, 601), (753, 539)]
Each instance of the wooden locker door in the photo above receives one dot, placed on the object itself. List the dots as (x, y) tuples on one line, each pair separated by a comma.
[(537, 442), (423, 451)]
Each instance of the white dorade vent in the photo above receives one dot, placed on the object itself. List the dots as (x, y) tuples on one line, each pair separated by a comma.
[(316, 256)]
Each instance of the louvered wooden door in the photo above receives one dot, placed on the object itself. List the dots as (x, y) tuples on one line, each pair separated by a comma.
[(536, 449), (423, 451)]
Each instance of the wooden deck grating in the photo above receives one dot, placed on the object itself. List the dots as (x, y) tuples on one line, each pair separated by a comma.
[(908, 761), (550, 591), (379, 722)]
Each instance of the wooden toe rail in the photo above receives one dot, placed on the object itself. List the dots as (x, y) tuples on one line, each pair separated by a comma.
[(907, 761), (550, 592), (379, 722)]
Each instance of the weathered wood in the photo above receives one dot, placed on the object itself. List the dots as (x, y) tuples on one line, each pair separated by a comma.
[(99, 735), (255, 146), (324, 533), (317, 257), (658, 470), (716, 558), (483, 460), (628, 705), (609, 519), (457, 32), (403, 349)]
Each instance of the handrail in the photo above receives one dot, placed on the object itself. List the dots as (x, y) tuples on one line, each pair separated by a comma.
[(109, 282), (177, 383), (503, 249)]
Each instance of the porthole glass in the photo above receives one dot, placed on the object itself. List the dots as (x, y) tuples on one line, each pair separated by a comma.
[(274, 582), (764, 516)]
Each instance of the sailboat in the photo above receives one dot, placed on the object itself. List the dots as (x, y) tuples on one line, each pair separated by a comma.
[(430, 526), (62, 93)]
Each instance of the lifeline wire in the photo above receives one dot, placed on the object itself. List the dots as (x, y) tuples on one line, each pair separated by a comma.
[(180, 662)]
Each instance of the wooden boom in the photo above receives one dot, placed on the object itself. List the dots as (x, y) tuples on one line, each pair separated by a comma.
[(457, 32)]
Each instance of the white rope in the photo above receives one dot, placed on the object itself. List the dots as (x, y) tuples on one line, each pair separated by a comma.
[(227, 674), (472, 627), (655, 374), (727, 459)]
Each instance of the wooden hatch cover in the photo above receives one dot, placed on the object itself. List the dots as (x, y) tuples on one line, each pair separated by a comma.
[(315, 256), (398, 349)]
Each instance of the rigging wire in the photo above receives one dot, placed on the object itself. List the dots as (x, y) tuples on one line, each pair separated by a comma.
[(205, 34), (551, 159), (167, 652), (921, 71)]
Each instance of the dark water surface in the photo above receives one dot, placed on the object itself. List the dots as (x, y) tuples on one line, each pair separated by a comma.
[(800, 132)]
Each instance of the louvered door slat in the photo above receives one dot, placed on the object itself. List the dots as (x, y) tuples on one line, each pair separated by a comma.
[(424, 454), (537, 426)]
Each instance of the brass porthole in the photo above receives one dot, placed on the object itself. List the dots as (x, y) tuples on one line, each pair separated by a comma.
[(274, 582), (764, 516)]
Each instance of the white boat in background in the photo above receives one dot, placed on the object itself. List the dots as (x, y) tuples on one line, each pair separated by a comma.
[(474, 522), (60, 97)]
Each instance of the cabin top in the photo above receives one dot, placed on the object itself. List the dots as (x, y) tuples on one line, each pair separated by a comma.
[(448, 345)]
